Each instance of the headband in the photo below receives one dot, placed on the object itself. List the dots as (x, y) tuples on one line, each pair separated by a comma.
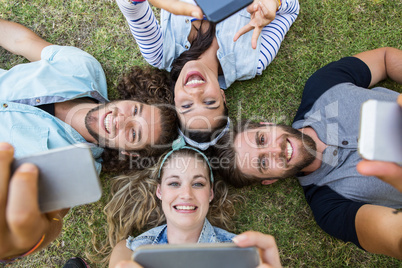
[(205, 145), (179, 144)]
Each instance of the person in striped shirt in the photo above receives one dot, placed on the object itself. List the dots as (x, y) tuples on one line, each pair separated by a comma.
[(205, 58)]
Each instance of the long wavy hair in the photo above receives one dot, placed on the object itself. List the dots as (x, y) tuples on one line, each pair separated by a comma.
[(134, 207), (150, 86)]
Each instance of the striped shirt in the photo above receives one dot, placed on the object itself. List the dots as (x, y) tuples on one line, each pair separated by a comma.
[(148, 34)]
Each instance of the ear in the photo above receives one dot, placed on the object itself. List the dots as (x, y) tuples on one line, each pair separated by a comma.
[(223, 95), (129, 154), (211, 195), (266, 123), (268, 182), (158, 191)]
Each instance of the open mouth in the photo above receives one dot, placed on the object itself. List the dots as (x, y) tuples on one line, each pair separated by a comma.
[(107, 122), (289, 150), (194, 79), (185, 208)]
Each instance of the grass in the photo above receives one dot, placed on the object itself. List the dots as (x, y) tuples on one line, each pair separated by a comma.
[(325, 30)]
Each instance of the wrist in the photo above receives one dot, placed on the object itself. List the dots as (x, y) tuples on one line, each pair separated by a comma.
[(16, 257)]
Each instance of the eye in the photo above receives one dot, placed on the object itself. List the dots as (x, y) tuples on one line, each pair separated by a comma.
[(198, 185), (174, 184), (264, 163), (134, 134), (210, 102), (262, 140), (186, 106), (135, 110)]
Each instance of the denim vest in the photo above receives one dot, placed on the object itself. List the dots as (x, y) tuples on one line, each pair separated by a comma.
[(158, 235), (238, 59), (63, 73)]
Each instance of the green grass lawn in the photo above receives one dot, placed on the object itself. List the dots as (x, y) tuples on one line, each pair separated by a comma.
[(325, 30)]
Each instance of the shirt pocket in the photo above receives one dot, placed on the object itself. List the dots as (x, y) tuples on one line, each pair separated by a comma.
[(29, 140)]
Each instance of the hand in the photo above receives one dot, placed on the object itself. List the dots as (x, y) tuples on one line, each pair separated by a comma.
[(266, 245), (262, 13), (386, 171), (21, 223), (178, 8)]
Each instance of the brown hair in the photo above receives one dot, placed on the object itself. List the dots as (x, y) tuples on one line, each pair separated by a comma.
[(150, 86), (226, 154), (134, 207)]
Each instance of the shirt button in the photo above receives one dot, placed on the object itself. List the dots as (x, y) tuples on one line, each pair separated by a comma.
[(187, 20), (186, 46), (5, 105), (335, 152), (37, 100), (345, 143)]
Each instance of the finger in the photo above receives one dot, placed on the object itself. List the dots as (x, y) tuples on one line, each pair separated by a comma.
[(182, 8), (399, 100), (263, 8), (23, 215), (242, 31), (6, 157), (254, 38), (266, 243), (252, 7), (386, 171)]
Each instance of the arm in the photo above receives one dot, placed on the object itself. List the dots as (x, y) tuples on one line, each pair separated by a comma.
[(20, 40), (379, 230), (21, 223), (145, 29), (120, 253), (383, 63)]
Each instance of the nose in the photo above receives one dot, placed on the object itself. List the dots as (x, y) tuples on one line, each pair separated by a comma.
[(186, 192), (195, 91)]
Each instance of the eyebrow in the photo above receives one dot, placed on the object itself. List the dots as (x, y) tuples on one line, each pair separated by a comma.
[(209, 108)]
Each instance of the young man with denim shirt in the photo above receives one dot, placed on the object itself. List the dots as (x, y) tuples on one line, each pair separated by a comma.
[(321, 150), (60, 98)]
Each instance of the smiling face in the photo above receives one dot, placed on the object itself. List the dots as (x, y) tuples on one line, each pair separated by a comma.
[(273, 152), (128, 125), (198, 98), (185, 191)]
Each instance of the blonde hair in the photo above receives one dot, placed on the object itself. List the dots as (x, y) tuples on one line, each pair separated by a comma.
[(134, 207)]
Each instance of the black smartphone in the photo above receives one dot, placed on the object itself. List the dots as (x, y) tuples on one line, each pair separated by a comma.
[(218, 10)]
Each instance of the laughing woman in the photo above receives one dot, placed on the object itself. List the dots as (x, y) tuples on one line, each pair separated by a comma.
[(205, 58)]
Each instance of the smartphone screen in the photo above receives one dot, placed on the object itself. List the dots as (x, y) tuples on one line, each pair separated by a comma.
[(217, 11), (380, 136), (196, 256), (67, 177)]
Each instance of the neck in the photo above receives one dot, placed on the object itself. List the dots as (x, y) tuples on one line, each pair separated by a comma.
[(73, 113), (180, 236), (321, 146)]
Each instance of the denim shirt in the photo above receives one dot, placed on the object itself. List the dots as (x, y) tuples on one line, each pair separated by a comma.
[(238, 59), (63, 73), (158, 235)]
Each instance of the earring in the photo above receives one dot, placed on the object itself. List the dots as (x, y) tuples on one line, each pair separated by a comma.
[(210, 200)]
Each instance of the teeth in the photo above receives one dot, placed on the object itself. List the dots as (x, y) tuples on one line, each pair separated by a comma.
[(289, 150), (185, 207), (194, 82), (106, 122)]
